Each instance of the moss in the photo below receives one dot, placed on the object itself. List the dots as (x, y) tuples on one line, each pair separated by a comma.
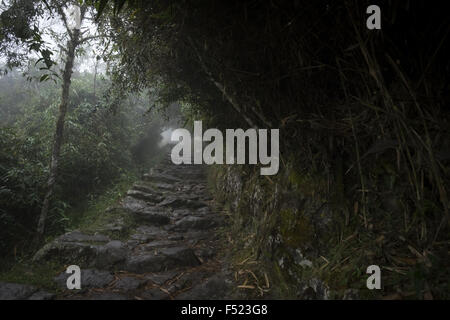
[(307, 185), (103, 222), (295, 228), (40, 275), (95, 215)]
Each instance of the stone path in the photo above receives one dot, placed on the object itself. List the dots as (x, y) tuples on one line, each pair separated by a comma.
[(171, 253)]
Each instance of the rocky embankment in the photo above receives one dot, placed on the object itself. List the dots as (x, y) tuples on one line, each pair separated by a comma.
[(169, 250)]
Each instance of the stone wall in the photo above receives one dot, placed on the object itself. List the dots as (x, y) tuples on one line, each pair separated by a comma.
[(285, 220)]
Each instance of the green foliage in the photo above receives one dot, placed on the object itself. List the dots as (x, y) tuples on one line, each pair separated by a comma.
[(97, 151), (20, 35), (40, 274), (362, 116)]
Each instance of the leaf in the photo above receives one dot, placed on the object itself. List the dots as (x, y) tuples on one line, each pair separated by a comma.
[(101, 7)]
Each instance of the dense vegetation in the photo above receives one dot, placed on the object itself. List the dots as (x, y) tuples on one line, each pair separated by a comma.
[(362, 115), (363, 119), (97, 152)]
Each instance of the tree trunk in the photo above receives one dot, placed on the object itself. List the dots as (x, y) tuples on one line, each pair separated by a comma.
[(67, 75)]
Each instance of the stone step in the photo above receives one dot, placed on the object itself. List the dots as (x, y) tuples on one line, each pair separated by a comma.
[(143, 195), (163, 260), (160, 177)]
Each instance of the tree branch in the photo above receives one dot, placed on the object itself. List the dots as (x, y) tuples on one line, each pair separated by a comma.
[(61, 12), (222, 88)]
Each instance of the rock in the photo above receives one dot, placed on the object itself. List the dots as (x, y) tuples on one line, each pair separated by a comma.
[(146, 234), (160, 177), (151, 231), (165, 259), (177, 202), (162, 277), (150, 197), (170, 202), (154, 245), (153, 294), (15, 291), (142, 238), (42, 295), (117, 226), (111, 254), (90, 278), (147, 263), (145, 211), (77, 236), (314, 289), (198, 223), (108, 296), (145, 188), (133, 205), (153, 216), (203, 211), (214, 288), (176, 237), (165, 186), (67, 249), (67, 252), (205, 253), (351, 294), (129, 283), (180, 213), (300, 259)]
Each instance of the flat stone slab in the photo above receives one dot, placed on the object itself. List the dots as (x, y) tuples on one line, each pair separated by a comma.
[(132, 205), (165, 259), (214, 288), (146, 196), (153, 215), (77, 236), (145, 188), (42, 295), (154, 294), (162, 277), (158, 244), (129, 283), (65, 249), (165, 186), (160, 177), (110, 255), (108, 296), (176, 202), (148, 233), (16, 291), (192, 222)]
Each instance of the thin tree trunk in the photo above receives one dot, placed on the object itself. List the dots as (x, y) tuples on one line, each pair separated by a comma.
[(67, 75)]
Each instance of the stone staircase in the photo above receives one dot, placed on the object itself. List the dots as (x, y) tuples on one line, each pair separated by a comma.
[(170, 253)]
